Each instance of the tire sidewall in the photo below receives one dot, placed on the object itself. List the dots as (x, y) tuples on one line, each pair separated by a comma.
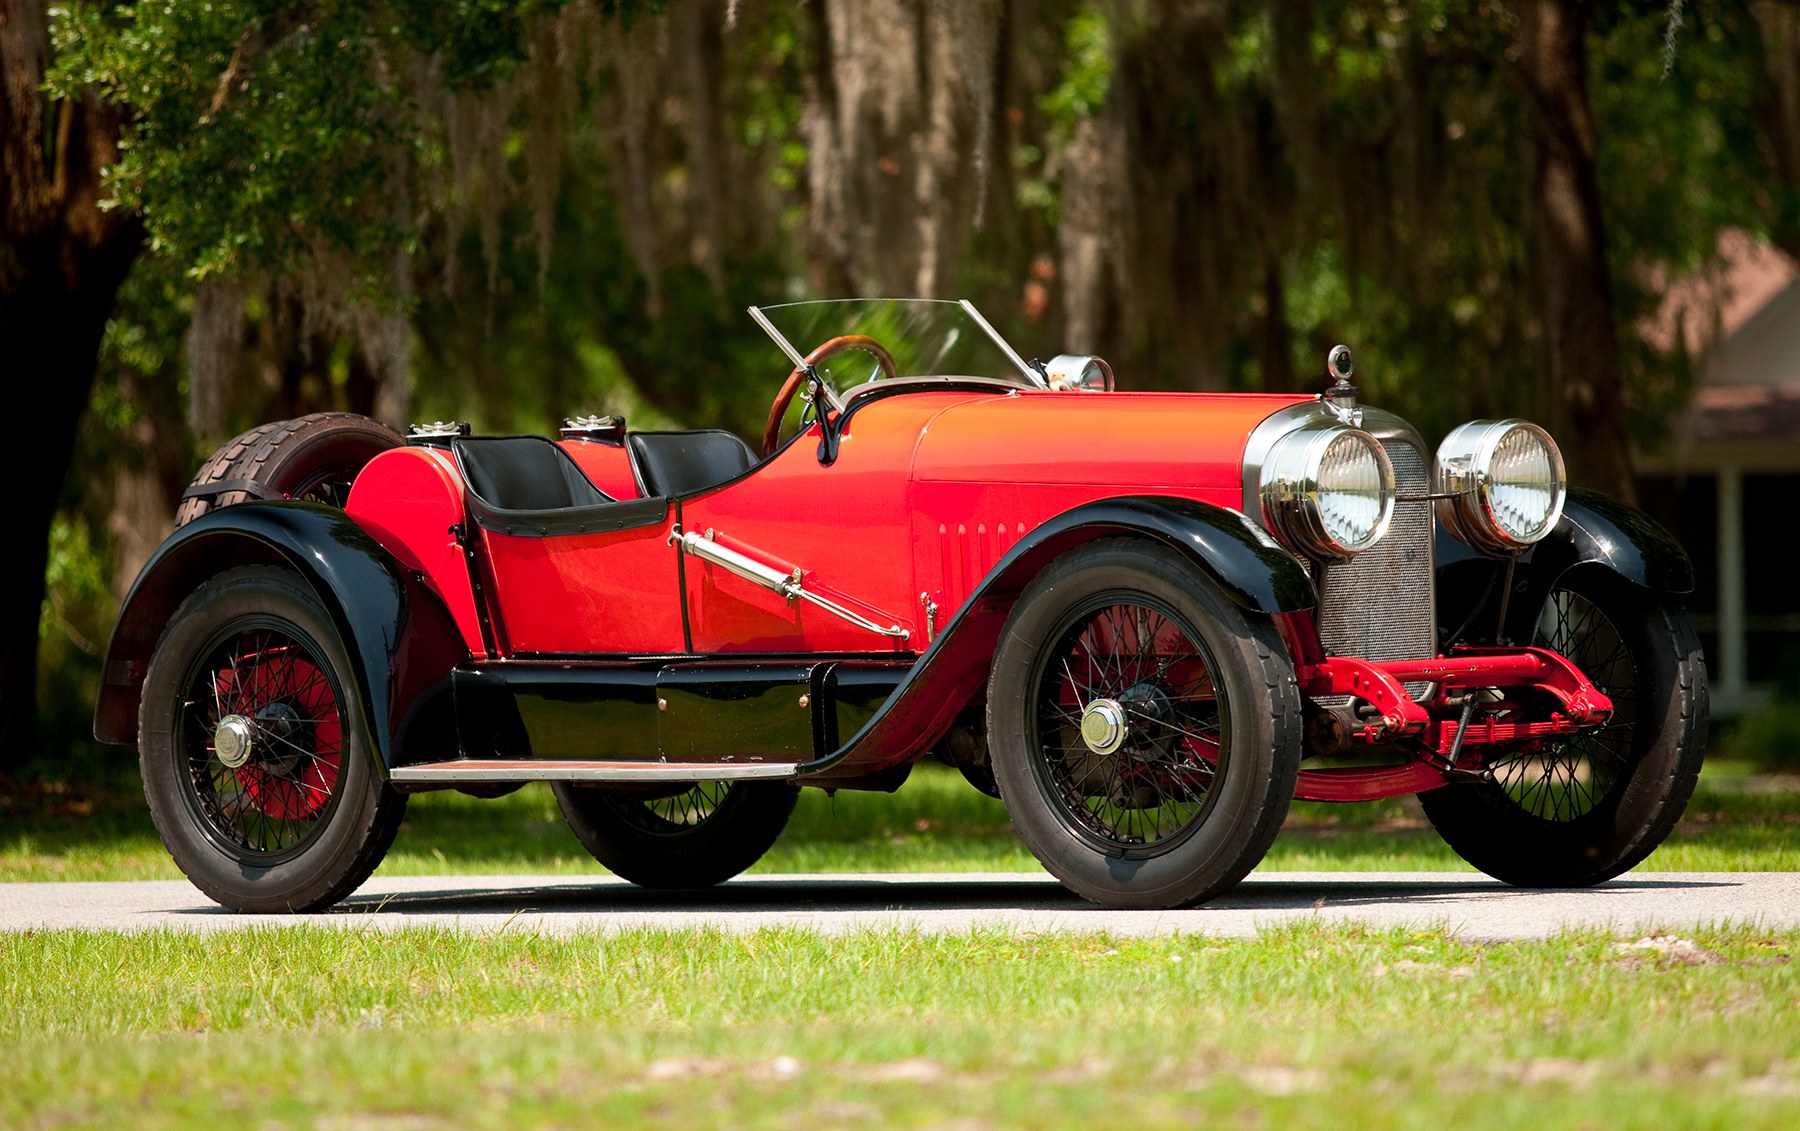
[(1219, 848), (310, 875)]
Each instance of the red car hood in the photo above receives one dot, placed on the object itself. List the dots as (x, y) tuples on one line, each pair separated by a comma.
[(1135, 441)]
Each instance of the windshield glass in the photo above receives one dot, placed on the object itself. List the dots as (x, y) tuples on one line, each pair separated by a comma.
[(924, 337)]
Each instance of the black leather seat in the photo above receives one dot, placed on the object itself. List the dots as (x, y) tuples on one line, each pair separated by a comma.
[(677, 463), (524, 473)]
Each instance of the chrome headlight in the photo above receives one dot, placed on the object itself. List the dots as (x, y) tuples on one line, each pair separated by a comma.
[(1328, 491), (1505, 484)]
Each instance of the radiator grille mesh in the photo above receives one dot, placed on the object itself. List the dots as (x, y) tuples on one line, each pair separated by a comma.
[(1377, 605)]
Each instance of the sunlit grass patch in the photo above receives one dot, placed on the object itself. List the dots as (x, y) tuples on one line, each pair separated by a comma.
[(1308, 1025)]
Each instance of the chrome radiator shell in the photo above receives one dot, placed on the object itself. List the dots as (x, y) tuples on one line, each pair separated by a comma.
[(1381, 604), (1378, 605)]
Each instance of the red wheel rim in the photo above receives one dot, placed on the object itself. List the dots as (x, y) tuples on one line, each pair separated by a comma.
[(268, 681)]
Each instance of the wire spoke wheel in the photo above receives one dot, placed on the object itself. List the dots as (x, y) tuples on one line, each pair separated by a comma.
[(330, 486), (253, 744), (1129, 723), (1565, 780), (672, 815), (1143, 727), (267, 687)]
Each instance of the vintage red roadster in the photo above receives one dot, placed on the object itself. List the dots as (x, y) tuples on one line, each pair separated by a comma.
[(1146, 621)]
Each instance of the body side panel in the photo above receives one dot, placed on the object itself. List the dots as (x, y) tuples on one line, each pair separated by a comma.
[(408, 499), (616, 592), (845, 525)]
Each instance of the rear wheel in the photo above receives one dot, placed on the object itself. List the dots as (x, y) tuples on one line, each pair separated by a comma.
[(1581, 810), (1144, 730), (315, 458), (251, 742), (687, 836)]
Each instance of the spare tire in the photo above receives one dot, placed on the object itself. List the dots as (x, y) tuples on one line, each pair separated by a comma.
[(315, 458)]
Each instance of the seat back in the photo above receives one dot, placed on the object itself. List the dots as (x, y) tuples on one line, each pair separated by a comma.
[(524, 473), (679, 463)]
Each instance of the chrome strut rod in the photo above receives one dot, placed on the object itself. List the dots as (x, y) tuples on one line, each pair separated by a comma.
[(772, 579)]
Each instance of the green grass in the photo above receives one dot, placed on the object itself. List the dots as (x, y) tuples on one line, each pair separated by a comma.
[(1309, 1025), (935, 822), (1306, 1026)]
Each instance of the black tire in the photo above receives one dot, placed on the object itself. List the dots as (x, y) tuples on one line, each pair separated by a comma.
[(305, 818), (1583, 810), (686, 836), (315, 457), (1196, 784)]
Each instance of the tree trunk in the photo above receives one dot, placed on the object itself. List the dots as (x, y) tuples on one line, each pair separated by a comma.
[(1778, 108), (1577, 301), (61, 262)]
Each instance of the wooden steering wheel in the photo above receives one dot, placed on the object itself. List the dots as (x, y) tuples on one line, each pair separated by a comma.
[(837, 345)]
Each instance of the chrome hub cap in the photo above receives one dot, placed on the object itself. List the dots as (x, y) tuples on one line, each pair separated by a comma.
[(1103, 726), (231, 740)]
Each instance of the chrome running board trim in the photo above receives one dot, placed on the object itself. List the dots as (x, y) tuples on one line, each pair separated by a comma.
[(499, 770)]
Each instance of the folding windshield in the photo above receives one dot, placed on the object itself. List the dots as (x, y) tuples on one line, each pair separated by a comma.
[(922, 337)]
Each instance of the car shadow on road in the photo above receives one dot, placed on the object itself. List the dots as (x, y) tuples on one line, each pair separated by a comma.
[(803, 895)]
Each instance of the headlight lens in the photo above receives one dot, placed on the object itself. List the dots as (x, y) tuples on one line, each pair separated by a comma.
[(1328, 491), (1505, 483)]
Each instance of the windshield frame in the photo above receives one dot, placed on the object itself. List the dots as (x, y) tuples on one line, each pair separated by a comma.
[(1033, 378)]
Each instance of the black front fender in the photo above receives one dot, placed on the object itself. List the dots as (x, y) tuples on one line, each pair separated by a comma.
[(1248, 565), (399, 636), (1596, 532)]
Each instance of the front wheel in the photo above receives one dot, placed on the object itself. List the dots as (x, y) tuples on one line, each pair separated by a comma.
[(251, 742), (686, 836), (1580, 810), (1144, 730)]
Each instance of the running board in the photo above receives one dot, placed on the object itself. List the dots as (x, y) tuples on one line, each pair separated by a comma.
[(500, 770)]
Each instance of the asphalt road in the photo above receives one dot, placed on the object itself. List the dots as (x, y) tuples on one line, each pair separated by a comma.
[(1470, 906)]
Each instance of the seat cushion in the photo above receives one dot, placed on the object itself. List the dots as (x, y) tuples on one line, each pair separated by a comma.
[(679, 463), (524, 473)]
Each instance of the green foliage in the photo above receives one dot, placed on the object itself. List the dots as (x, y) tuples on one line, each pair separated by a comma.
[(1679, 162), (1770, 735), (1086, 74), (266, 131), (73, 628), (529, 350)]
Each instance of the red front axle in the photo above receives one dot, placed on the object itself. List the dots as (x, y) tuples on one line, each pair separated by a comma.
[(1437, 723)]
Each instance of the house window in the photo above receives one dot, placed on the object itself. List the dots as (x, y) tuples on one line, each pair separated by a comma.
[(1688, 506), (1771, 595)]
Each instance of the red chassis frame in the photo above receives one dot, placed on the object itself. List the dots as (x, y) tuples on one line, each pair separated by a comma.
[(1450, 745)]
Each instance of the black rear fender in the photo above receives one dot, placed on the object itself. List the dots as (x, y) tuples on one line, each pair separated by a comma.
[(400, 638), (1596, 532), (1248, 566)]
